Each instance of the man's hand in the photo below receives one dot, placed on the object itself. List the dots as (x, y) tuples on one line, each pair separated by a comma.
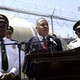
[(6, 76)]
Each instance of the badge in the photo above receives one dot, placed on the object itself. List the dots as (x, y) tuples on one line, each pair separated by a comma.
[(13, 46)]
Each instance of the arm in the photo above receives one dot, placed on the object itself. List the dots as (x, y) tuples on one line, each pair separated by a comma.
[(15, 69), (15, 65)]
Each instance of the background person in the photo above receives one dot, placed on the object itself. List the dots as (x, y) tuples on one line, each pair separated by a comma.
[(75, 43), (8, 34)]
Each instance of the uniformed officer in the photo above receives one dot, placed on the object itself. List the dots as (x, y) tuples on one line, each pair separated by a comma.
[(9, 32), (75, 43), (12, 52)]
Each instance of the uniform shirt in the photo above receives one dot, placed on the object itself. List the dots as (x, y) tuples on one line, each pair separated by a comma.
[(12, 52), (74, 44), (6, 39)]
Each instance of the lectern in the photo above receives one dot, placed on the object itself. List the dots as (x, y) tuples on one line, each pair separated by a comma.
[(46, 65)]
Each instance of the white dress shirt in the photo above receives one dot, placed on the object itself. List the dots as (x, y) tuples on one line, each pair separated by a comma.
[(13, 57), (40, 38)]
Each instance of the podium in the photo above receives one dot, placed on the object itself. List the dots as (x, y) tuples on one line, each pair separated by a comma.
[(47, 65)]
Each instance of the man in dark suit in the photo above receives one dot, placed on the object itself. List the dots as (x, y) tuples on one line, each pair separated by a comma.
[(41, 41), (43, 38)]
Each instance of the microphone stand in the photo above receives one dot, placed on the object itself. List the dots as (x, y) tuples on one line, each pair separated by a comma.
[(19, 46)]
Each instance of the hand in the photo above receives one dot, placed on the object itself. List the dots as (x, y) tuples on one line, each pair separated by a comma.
[(1, 74), (6, 76)]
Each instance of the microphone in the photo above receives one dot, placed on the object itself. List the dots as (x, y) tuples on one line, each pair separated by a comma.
[(51, 39), (48, 37)]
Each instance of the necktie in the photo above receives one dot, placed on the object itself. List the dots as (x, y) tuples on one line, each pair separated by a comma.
[(4, 57), (44, 44)]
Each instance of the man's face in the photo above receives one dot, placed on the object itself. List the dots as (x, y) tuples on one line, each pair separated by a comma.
[(3, 28), (42, 28), (9, 35)]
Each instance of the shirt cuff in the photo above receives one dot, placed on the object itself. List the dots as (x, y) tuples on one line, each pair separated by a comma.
[(14, 71)]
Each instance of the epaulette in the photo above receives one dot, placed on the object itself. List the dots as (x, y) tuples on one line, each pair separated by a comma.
[(74, 41), (13, 40)]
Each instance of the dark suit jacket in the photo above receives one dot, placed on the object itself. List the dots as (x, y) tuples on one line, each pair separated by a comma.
[(34, 43), (58, 47)]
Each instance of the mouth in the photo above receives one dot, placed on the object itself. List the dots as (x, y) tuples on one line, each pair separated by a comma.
[(45, 30)]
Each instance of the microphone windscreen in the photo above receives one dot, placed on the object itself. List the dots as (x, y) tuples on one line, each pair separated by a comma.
[(48, 37)]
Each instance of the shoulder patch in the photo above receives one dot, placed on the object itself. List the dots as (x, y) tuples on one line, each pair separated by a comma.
[(13, 46), (13, 40)]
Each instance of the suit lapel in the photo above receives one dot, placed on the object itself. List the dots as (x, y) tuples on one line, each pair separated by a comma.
[(38, 43)]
